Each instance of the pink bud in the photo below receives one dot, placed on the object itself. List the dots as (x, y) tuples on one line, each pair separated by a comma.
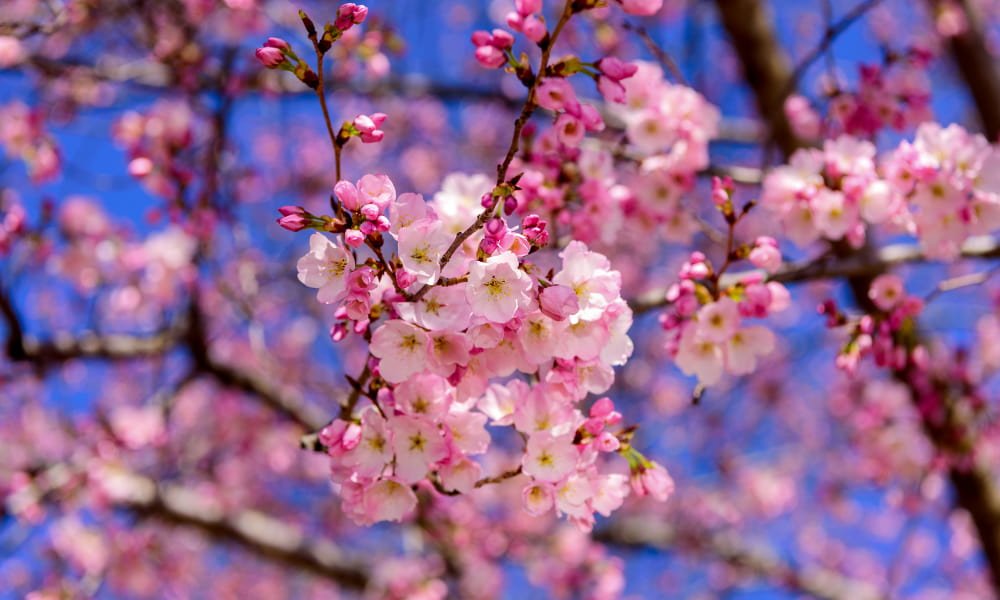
[(338, 331), (364, 123), (280, 44), (641, 7), (602, 408), (481, 38), (611, 89), (489, 245), (502, 40), (558, 302), (348, 195), (509, 205), (354, 238), (291, 210), (534, 29), (271, 58), (404, 278), (766, 255), (527, 7), (490, 57), (349, 15), (616, 69), (293, 222), (370, 211), (607, 442), (495, 228), (656, 482)]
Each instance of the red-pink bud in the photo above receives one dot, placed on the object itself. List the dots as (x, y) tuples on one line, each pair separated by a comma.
[(527, 7), (495, 228), (293, 222), (292, 210), (502, 39), (354, 238), (534, 28), (404, 278), (338, 331), (271, 58), (642, 7), (616, 69), (280, 44), (602, 407)]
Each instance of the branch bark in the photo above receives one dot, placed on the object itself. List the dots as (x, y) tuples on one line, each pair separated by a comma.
[(830, 266), (732, 549), (254, 531), (765, 65), (977, 67)]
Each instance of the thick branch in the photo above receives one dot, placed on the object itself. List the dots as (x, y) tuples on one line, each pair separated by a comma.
[(830, 266), (977, 67), (283, 400), (765, 65), (261, 534), (761, 562)]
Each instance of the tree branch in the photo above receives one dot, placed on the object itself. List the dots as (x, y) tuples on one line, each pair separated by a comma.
[(732, 549), (259, 533), (977, 67)]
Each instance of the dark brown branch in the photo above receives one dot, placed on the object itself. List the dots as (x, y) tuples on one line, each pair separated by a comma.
[(733, 549), (260, 534), (830, 35), (977, 67), (765, 66), (829, 266)]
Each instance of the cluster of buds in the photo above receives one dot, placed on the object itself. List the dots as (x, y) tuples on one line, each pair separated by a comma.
[(349, 15), (574, 118), (366, 127), (277, 54), (536, 230), (602, 415), (366, 202), (704, 321), (611, 73), (887, 335), (648, 478), (492, 49), (524, 18)]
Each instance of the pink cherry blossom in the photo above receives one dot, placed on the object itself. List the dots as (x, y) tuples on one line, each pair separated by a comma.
[(402, 348), (326, 267), (497, 288)]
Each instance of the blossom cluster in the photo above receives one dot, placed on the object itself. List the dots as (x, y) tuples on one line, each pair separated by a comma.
[(154, 139), (669, 126), (949, 179), (23, 136), (941, 187), (706, 332), (885, 335), (895, 95), (451, 321), (12, 220)]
